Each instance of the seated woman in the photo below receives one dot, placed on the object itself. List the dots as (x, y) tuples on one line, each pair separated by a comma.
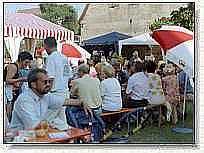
[(110, 90), (155, 85), (137, 88)]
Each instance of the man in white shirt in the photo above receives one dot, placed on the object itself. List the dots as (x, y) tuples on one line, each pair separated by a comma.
[(57, 66), (32, 106)]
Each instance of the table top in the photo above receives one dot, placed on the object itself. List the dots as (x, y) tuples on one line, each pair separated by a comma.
[(73, 134)]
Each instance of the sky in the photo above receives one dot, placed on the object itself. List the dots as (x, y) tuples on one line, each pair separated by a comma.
[(13, 7)]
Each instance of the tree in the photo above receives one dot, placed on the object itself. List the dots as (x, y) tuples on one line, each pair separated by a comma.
[(184, 17), (61, 14)]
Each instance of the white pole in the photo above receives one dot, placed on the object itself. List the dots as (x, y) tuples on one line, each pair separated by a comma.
[(184, 98)]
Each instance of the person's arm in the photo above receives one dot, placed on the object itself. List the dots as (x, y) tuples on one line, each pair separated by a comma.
[(11, 71), (103, 89), (50, 67), (77, 102), (74, 89), (129, 86)]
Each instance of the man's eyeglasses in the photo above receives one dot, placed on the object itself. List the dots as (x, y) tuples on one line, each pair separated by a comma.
[(45, 81)]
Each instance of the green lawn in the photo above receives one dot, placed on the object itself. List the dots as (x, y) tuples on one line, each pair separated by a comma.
[(154, 134)]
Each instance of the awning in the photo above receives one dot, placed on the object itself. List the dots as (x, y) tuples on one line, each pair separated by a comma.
[(106, 39), (143, 39), (31, 26)]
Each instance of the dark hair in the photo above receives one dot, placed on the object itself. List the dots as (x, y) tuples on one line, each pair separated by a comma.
[(80, 62), (138, 66), (24, 56), (32, 76), (151, 66), (50, 42)]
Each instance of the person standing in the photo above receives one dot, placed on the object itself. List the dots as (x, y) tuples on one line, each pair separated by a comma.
[(13, 80), (58, 68), (171, 90)]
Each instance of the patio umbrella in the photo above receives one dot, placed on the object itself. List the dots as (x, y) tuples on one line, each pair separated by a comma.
[(178, 46), (70, 50)]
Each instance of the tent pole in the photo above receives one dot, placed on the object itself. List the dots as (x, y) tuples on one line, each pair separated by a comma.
[(184, 98)]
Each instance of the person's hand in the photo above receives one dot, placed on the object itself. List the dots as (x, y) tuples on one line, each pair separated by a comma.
[(87, 109), (9, 110), (23, 79)]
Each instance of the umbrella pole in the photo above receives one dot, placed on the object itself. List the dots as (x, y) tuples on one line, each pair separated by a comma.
[(184, 98)]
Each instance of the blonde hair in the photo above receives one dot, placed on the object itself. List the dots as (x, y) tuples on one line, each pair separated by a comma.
[(108, 70), (98, 67)]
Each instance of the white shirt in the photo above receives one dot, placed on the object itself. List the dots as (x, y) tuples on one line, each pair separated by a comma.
[(111, 94), (138, 86), (57, 66), (30, 109)]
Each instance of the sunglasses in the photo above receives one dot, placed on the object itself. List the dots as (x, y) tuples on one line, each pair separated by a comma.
[(45, 81)]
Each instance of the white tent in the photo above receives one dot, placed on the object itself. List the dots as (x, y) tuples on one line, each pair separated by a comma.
[(144, 39), (20, 25)]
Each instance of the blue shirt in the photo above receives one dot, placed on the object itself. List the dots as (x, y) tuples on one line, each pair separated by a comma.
[(138, 86), (182, 78)]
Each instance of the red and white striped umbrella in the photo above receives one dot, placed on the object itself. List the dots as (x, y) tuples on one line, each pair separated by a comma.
[(178, 45), (69, 49), (31, 26)]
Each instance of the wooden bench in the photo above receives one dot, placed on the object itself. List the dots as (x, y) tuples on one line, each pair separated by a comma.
[(123, 110), (73, 134)]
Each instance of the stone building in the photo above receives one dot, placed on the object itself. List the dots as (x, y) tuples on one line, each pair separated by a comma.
[(128, 18)]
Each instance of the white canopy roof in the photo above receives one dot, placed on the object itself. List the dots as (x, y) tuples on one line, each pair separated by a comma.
[(144, 39)]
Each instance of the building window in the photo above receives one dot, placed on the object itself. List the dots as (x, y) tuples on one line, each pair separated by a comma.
[(130, 21), (113, 5)]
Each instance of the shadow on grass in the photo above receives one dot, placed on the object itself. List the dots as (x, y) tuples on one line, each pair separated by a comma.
[(151, 133)]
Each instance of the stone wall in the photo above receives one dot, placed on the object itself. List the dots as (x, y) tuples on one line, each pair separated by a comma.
[(132, 19)]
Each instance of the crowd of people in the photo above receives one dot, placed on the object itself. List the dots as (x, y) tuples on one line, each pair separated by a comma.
[(36, 94)]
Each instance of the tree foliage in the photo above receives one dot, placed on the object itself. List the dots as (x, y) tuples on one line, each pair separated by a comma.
[(184, 17), (62, 14)]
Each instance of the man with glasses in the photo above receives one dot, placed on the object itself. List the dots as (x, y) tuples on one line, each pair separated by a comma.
[(32, 106)]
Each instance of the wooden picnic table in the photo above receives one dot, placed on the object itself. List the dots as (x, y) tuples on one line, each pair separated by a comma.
[(73, 134)]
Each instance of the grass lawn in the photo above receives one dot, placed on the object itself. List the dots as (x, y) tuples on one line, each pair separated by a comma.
[(164, 135)]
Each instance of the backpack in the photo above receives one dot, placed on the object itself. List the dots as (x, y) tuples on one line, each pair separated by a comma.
[(77, 118)]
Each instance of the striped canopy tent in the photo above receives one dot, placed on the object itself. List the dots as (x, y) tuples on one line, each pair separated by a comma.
[(20, 25)]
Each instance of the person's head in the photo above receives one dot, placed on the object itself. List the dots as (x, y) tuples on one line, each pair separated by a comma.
[(24, 59), (83, 69), (50, 45), (108, 71), (116, 66), (81, 61), (38, 81), (151, 67), (138, 66), (178, 69), (131, 67), (98, 68), (135, 54), (90, 62), (170, 69)]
